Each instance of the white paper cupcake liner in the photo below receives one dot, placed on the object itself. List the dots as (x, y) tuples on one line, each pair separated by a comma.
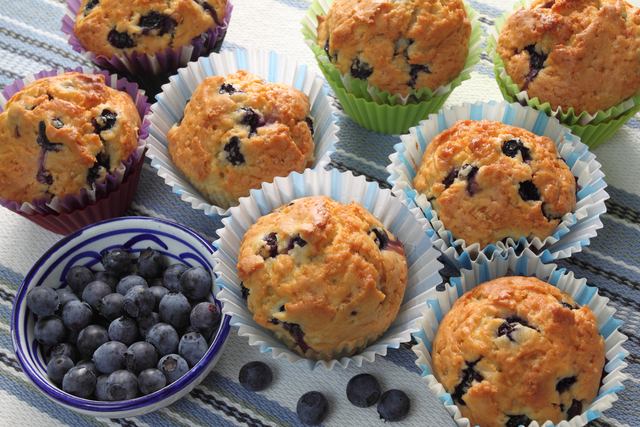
[(526, 264), (575, 229), (46, 206), (150, 64), (406, 224), (268, 65), (310, 29)]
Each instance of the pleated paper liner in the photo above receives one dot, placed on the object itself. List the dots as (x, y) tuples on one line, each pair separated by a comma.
[(526, 264), (593, 130), (574, 230), (406, 224), (268, 65), (104, 200), (148, 64), (380, 111)]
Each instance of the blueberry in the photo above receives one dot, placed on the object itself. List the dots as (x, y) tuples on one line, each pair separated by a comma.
[(128, 282), (140, 356), (360, 70), (253, 120), (49, 330), (312, 408), (511, 148), (164, 338), (232, 147), (565, 384), (109, 357), (413, 73), (381, 238), (150, 264), (394, 405), (528, 191), (123, 329), (271, 248), (90, 365), (205, 317), (195, 283), (112, 306), (78, 277), (469, 172), (157, 21), (122, 385), (146, 322), (574, 410), (228, 88), (173, 366), (192, 347), (57, 367), (90, 5), (94, 292), (175, 309), (363, 390), (79, 381), (469, 375), (536, 63), (309, 121), (139, 301), (172, 276), (151, 380), (450, 178), (158, 293), (107, 278), (255, 376), (296, 241), (518, 420), (101, 166), (43, 141), (509, 326), (297, 334), (101, 388), (245, 291), (105, 121), (116, 262), (72, 337), (66, 349), (43, 301), (120, 40), (77, 315), (64, 296), (57, 123), (568, 306), (90, 338)]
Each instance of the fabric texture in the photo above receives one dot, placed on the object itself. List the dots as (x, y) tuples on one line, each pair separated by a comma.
[(31, 41)]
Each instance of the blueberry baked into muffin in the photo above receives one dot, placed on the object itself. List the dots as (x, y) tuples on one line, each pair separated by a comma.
[(489, 181), (397, 46), (515, 350), (239, 131), (62, 134), (111, 27), (326, 278), (579, 54)]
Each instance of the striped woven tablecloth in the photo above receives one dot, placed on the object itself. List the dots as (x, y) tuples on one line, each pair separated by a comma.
[(31, 41)]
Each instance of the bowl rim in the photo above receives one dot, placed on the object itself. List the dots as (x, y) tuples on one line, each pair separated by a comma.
[(101, 407)]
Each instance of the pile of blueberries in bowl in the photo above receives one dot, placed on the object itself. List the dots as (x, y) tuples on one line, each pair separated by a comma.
[(118, 319)]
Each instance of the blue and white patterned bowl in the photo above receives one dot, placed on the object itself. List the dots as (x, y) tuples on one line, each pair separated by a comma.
[(177, 243)]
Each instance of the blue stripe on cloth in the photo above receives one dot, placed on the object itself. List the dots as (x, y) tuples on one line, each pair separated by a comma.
[(486, 9), (297, 4), (8, 274)]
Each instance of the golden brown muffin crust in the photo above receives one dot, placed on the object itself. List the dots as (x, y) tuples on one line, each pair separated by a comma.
[(317, 277), (60, 134), (518, 347), (586, 51), (484, 195)]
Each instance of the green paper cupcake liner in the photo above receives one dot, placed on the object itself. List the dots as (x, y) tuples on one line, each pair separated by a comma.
[(362, 89), (383, 118), (593, 130)]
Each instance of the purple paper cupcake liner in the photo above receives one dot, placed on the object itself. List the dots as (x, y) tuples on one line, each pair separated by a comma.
[(112, 181), (160, 62)]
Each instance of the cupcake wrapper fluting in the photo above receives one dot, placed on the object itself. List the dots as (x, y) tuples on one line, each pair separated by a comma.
[(526, 264), (268, 65), (406, 224), (575, 229)]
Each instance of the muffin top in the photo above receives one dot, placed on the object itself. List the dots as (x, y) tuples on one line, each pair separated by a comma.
[(574, 53), (108, 27), (397, 46), (239, 131), (61, 134), (515, 350), (325, 278), (489, 181)]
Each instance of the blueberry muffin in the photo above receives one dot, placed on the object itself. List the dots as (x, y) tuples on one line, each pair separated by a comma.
[(62, 134), (574, 53), (239, 131), (489, 181), (326, 278), (111, 27), (515, 350), (397, 46)]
